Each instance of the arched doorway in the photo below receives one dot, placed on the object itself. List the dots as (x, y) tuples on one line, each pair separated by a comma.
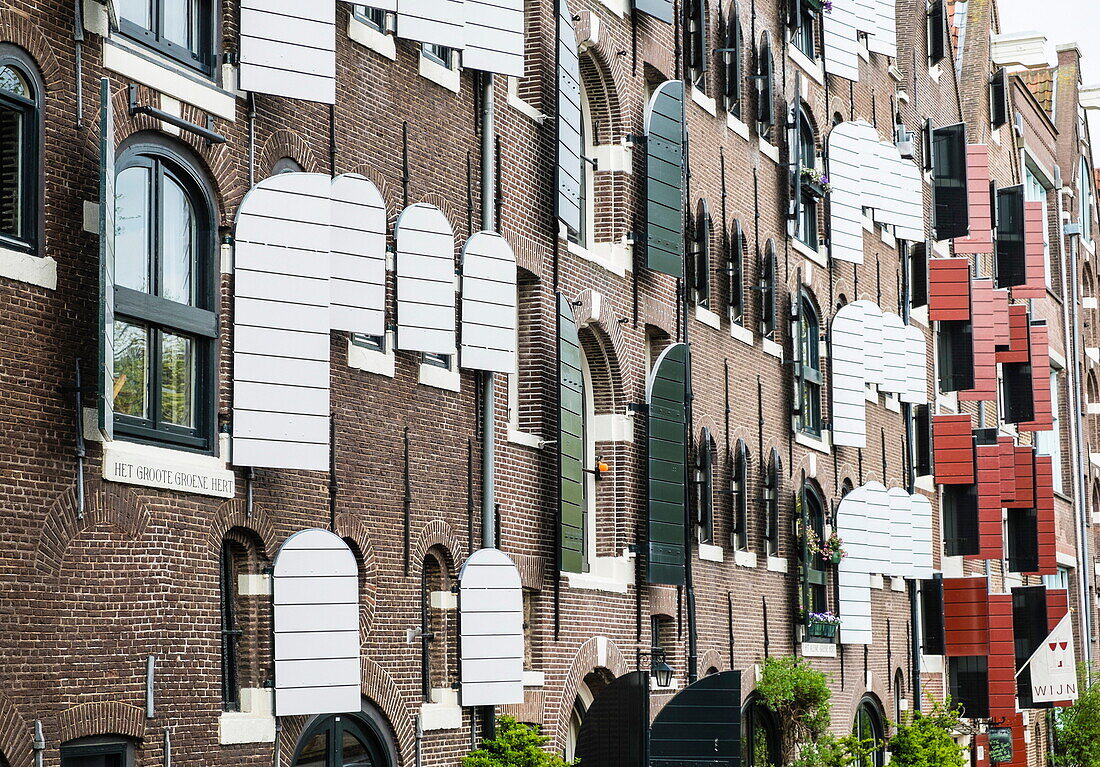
[(346, 740), (759, 736), (868, 726)]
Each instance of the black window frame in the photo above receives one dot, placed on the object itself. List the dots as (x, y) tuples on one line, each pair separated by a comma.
[(704, 486), (203, 60), (105, 746), (368, 732), (1017, 391), (230, 631), (869, 707), (442, 55), (198, 323), (955, 344), (923, 458), (767, 289), (806, 227), (739, 494), (772, 480), (696, 53), (765, 86), (1010, 264), (813, 563), (918, 275), (950, 208), (31, 116), (938, 44), (968, 684), (733, 41), (961, 532), (809, 375), (802, 29), (735, 264), (1022, 540), (699, 256), (757, 718), (933, 630), (1030, 620), (998, 98)]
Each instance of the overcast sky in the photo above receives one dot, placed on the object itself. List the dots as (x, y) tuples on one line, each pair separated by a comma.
[(1063, 22)]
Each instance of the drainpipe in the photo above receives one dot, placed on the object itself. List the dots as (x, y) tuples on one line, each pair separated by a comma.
[(488, 392), (39, 743), (910, 486)]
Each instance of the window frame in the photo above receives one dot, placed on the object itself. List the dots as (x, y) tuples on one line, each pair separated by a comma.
[(99, 746), (803, 32), (809, 378), (209, 46), (869, 706), (32, 116), (442, 55), (700, 255), (732, 59), (737, 249), (704, 486), (1051, 439), (696, 54), (739, 476), (767, 288), (806, 228), (772, 516), (755, 717), (363, 13), (158, 315), (814, 564)]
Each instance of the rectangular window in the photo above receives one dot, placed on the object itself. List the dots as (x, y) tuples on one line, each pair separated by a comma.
[(1050, 442), (1023, 540), (374, 17), (436, 360), (372, 343), (931, 617), (1017, 394), (1011, 266), (998, 98), (1029, 630), (94, 755), (937, 33), (969, 685), (440, 54), (1060, 580), (918, 275), (922, 441), (181, 29), (956, 355), (960, 520), (1036, 191), (949, 191)]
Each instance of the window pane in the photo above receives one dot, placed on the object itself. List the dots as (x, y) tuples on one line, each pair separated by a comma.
[(355, 752), (14, 82), (132, 229), (177, 386), (91, 760), (314, 753), (131, 370), (177, 243), (181, 20), (136, 11), (11, 172)]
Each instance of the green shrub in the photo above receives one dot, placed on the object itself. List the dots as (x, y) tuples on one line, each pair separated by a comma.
[(799, 695), (515, 745), (831, 751), (1077, 728), (926, 739)]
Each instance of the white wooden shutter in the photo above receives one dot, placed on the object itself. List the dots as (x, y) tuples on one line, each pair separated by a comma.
[(866, 15), (841, 43), (853, 572), (901, 193), (488, 304), (876, 179), (849, 411), (895, 366), (887, 187), (494, 36), (441, 22), (846, 197), (916, 377), (568, 122), (878, 527), (921, 512), (901, 533), (872, 342), (490, 603), (289, 49), (281, 324), (358, 244), (108, 204), (425, 280), (885, 37), (658, 9), (855, 607), (315, 592), (851, 526)]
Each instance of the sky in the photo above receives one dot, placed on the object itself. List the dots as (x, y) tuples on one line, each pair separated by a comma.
[(1063, 22)]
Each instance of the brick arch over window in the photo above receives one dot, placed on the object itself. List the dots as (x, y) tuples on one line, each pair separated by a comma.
[(440, 535), (105, 503), (286, 143), (354, 532), (604, 344), (602, 85), (597, 654), (19, 30), (15, 734), (234, 513), (457, 222), (107, 718), (711, 659)]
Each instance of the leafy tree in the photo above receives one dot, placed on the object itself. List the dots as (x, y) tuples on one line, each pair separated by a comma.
[(1077, 728), (926, 739), (831, 751), (799, 695), (515, 745)]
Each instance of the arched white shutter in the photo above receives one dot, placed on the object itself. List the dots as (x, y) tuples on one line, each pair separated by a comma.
[(488, 304), (568, 121), (853, 573), (441, 22), (289, 49), (494, 36), (841, 43), (425, 280), (895, 366), (901, 533), (922, 536), (901, 193), (846, 197), (885, 37), (878, 527), (490, 603), (358, 238), (281, 324), (872, 342), (916, 352), (316, 603), (849, 411)]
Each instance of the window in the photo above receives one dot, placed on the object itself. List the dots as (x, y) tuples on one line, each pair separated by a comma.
[(998, 98), (738, 250), (378, 344), (931, 617), (765, 87), (285, 165), (1030, 627), (968, 679), (771, 503), (1036, 191), (345, 741), (165, 325), (704, 486), (440, 54), (1011, 261), (918, 275), (899, 697), (182, 29), (767, 290), (937, 32), (740, 495), (811, 189), (813, 518), (731, 58), (431, 358), (802, 28), (1017, 392), (759, 736), (695, 43), (1050, 442), (19, 153), (956, 355), (436, 625), (699, 256), (374, 17), (922, 441), (96, 752), (868, 726), (809, 368), (588, 173), (960, 520), (1084, 194), (948, 164), (231, 633)]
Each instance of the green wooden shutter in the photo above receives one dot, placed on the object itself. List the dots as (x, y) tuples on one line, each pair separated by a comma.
[(797, 405), (765, 87), (571, 506), (106, 377), (665, 179), (667, 438)]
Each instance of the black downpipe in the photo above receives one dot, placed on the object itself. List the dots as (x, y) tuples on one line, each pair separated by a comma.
[(407, 504), (405, 164), (332, 140), (333, 485)]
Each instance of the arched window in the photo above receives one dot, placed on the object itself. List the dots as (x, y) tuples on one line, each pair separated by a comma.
[(732, 56), (346, 740), (244, 601), (759, 736), (695, 43), (768, 266), (704, 486), (437, 624), (285, 165), (846, 487), (699, 256), (765, 87), (868, 727), (813, 517), (585, 237), (811, 186), (740, 496), (809, 372), (737, 252), (771, 502), (20, 154), (901, 703), (181, 29), (165, 324)]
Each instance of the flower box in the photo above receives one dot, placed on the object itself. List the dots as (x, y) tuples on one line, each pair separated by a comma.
[(822, 629), (814, 187)]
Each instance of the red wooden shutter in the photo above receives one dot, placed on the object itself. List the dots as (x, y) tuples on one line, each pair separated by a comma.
[(949, 289), (1008, 470), (965, 621), (1002, 657), (983, 324), (990, 527), (1024, 476), (1034, 253), (980, 239), (1044, 512), (1001, 335), (1057, 607), (1040, 380), (953, 449), (1019, 325)]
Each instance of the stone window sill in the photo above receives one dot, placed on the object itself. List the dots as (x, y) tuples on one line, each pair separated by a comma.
[(381, 43), (821, 444), (610, 574), (815, 255), (520, 105), (28, 269), (445, 77), (444, 715), (744, 558), (703, 100), (708, 318), (709, 553), (742, 334), (371, 360), (524, 438), (812, 69), (772, 348), (611, 256), (737, 126), (440, 378), (777, 565), (769, 150)]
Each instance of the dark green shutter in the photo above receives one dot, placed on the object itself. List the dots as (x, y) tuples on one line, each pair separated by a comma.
[(700, 256), (767, 291), (1011, 266), (765, 90), (704, 462), (658, 9), (106, 377), (736, 266), (937, 32), (731, 56), (794, 155), (572, 505), (796, 356), (949, 191), (998, 98), (665, 179), (667, 439), (613, 731)]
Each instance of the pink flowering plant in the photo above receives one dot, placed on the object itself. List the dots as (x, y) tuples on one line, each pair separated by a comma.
[(831, 548)]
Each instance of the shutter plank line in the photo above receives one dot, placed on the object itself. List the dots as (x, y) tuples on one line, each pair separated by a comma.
[(288, 49)]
